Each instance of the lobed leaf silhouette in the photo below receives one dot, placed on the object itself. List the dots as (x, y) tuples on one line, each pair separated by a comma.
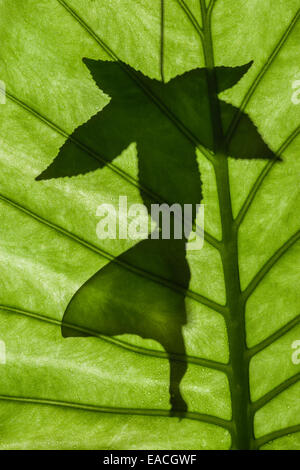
[(112, 392), (136, 113)]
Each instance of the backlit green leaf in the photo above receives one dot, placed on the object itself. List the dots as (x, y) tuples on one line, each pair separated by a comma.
[(111, 391)]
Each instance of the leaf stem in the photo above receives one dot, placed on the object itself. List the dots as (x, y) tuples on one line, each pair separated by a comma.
[(242, 414)]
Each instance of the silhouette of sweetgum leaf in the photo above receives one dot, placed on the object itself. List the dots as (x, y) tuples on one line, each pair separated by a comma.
[(137, 113)]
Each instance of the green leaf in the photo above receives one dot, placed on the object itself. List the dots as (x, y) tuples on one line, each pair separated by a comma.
[(112, 392)]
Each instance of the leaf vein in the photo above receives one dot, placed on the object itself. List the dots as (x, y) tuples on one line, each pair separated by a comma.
[(271, 339), (123, 411), (123, 344), (269, 265), (261, 402), (275, 435), (262, 176)]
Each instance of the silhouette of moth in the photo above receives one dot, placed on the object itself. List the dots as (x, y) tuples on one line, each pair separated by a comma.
[(164, 120)]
